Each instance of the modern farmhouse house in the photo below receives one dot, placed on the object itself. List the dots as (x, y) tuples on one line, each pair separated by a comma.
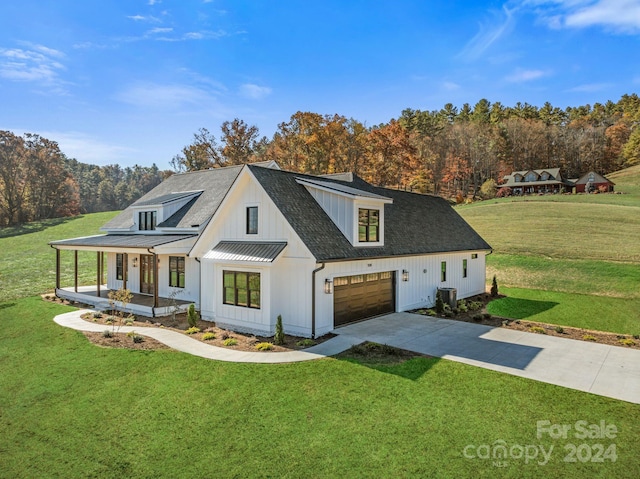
[(248, 243)]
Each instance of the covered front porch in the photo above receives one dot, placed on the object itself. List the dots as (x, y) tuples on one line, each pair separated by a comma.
[(141, 304)]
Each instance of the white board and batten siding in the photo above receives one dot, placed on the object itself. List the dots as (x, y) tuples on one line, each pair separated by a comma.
[(285, 283), (338, 207), (418, 292)]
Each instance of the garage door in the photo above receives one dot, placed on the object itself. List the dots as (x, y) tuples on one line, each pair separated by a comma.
[(362, 296)]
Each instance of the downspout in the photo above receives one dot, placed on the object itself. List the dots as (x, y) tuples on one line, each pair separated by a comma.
[(313, 301), (199, 284)]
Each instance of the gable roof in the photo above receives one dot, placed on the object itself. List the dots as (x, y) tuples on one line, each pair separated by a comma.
[(415, 224), (163, 199), (214, 184)]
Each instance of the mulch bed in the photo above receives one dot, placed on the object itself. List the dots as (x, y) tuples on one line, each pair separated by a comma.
[(122, 341)]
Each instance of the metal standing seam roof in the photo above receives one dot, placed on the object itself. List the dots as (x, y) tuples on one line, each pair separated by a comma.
[(261, 252), (122, 241)]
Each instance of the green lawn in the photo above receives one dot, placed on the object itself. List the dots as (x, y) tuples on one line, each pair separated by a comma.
[(580, 310), (70, 409), (28, 263)]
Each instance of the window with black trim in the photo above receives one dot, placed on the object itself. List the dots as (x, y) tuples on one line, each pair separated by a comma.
[(368, 225), (121, 270), (443, 271), (464, 268), (252, 220), (474, 255), (147, 220), (241, 289), (176, 271)]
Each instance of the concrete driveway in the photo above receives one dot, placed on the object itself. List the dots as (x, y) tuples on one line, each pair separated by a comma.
[(610, 371)]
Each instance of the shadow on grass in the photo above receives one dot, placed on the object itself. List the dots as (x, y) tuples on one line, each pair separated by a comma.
[(6, 305), (34, 227), (519, 308)]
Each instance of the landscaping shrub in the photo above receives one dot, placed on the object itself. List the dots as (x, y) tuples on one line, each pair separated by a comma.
[(474, 305), (137, 338), (627, 342), (264, 346), (559, 329), (192, 330), (107, 333), (486, 316), (279, 336), (503, 192), (589, 337), (494, 287), (462, 306), (230, 342), (477, 317), (488, 189), (538, 329), (439, 303), (192, 316), (208, 336), (305, 343)]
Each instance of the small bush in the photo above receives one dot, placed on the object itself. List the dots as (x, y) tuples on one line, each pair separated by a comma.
[(230, 342), (305, 343), (477, 317), (137, 338), (486, 315), (128, 322), (192, 316), (462, 306), (439, 303), (107, 333), (279, 336), (636, 336), (503, 192), (474, 305), (192, 330), (559, 329), (264, 346), (431, 312), (97, 315), (494, 287), (627, 342), (538, 329), (589, 337), (208, 336)]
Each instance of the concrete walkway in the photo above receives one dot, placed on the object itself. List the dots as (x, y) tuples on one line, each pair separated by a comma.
[(610, 371)]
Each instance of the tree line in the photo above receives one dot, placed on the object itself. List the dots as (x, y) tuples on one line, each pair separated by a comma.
[(448, 151), (37, 181)]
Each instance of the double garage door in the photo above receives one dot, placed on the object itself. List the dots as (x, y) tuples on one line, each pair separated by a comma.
[(362, 296)]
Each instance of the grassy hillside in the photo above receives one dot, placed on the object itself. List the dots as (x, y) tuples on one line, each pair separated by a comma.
[(71, 409), (28, 263)]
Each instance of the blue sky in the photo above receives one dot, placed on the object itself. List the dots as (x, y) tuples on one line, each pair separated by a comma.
[(130, 81)]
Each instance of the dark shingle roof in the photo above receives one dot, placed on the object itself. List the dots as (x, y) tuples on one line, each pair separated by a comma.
[(214, 184), (414, 224), (160, 200)]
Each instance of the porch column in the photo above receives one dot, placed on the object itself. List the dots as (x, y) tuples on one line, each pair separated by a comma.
[(101, 267), (125, 267), (75, 270), (155, 280), (57, 268), (98, 273)]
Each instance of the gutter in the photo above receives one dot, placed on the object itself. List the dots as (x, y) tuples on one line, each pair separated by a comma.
[(313, 300), (155, 280), (199, 283)]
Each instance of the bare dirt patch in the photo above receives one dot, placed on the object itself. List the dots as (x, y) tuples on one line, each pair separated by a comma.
[(121, 341)]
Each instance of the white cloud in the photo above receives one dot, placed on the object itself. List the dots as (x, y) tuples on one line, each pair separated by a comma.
[(520, 76), (450, 86), (488, 34), (590, 87), (142, 18), (255, 92), (154, 2), (160, 30), (150, 95), (35, 63), (620, 16)]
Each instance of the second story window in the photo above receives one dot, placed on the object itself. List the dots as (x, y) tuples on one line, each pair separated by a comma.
[(146, 220), (252, 220), (368, 225)]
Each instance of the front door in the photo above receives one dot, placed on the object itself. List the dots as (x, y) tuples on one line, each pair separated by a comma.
[(147, 278)]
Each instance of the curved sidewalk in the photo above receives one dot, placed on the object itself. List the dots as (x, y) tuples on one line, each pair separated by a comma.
[(186, 344)]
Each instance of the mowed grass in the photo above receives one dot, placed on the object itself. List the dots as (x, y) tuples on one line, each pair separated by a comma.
[(28, 263), (585, 248), (595, 312), (70, 409)]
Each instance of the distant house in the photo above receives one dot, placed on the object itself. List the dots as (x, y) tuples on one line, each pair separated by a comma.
[(526, 182), (248, 243), (593, 181)]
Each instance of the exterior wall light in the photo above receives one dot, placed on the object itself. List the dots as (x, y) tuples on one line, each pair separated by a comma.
[(135, 262), (328, 286), (405, 275)]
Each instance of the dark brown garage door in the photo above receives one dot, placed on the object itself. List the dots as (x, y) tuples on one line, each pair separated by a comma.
[(362, 296)]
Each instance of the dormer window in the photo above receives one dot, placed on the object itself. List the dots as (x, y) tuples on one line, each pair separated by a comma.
[(368, 225), (147, 220), (531, 176), (252, 220)]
